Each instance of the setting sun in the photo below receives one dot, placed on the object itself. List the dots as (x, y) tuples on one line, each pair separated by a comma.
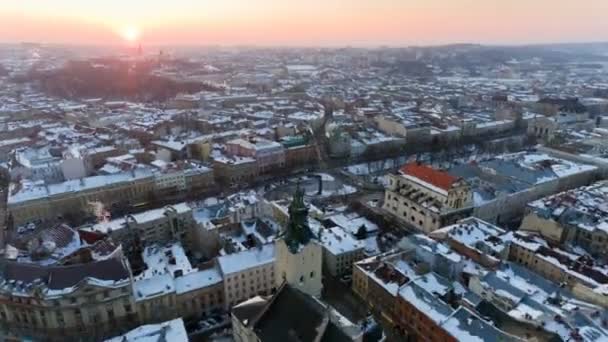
[(130, 33)]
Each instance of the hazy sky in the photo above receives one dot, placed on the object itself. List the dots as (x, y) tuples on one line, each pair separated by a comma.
[(306, 22)]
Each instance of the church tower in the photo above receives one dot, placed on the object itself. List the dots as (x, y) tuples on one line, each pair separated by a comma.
[(299, 258)]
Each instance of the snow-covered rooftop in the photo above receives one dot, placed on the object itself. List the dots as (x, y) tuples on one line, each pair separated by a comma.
[(255, 257)]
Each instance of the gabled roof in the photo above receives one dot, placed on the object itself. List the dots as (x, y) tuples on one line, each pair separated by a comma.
[(427, 174), (290, 315)]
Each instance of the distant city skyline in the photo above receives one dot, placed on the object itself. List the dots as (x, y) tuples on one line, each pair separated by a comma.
[(309, 23)]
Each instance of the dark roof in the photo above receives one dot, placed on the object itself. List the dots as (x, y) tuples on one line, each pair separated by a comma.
[(111, 269), (290, 316), (334, 334), (297, 314), (26, 273), (59, 277)]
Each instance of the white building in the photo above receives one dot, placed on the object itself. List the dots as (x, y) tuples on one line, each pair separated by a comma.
[(170, 287), (248, 274), (340, 250)]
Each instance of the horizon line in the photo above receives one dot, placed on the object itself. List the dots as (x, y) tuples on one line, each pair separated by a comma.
[(307, 46)]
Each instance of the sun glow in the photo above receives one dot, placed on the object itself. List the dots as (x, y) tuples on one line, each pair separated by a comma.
[(130, 34)]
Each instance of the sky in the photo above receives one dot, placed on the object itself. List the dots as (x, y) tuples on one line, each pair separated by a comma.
[(303, 22)]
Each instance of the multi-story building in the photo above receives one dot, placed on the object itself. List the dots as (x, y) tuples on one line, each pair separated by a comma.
[(234, 170), (383, 284), (421, 312), (298, 151), (544, 308), (28, 202), (138, 188), (545, 128), (173, 330), (362, 271), (476, 239), (170, 223), (247, 274), (63, 303), (578, 217), (96, 157), (418, 304), (340, 250), (425, 198), (169, 287), (8, 145), (581, 274), (269, 155), (413, 132), (501, 186), (36, 164), (199, 178)]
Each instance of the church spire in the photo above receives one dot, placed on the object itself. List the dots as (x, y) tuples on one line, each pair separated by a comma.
[(297, 232)]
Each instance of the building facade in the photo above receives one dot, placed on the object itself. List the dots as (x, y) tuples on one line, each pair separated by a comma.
[(64, 303), (425, 198)]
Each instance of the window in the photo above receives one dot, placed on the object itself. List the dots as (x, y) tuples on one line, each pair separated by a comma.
[(312, 274)]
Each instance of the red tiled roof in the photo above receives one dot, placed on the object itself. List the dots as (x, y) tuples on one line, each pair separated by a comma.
[(90, 237), (427, 174)]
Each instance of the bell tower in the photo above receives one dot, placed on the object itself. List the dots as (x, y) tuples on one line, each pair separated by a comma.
[(299, 257)]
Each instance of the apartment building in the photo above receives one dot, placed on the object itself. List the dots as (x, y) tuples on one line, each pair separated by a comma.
[(170, 287), (269, 155), (578, 217), (234, 169), (170, 223), (63, 303), (340, 251), (581, 274), (247, 274), (31, 201)]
